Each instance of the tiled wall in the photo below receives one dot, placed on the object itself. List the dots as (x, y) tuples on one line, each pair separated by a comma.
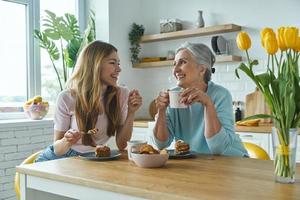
[(239, 88), (18, 140)]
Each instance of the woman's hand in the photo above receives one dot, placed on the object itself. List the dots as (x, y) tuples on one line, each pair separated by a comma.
[(162, 101), (193, 95), (134, 101), (72, 136)]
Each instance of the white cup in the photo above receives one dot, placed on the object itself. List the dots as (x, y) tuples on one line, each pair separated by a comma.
[(134, 146), (175, 100)]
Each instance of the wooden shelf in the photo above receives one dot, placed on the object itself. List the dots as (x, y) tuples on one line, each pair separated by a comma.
[(168, 63), (228, 58), (211, 30)]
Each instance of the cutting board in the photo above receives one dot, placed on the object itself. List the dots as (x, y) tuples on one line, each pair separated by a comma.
[(255, 104)]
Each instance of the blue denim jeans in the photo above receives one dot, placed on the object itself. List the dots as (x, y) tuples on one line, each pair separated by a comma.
[(49, 154)]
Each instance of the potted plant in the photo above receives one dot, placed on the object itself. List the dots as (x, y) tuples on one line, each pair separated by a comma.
[(63, 41), (135, 34), (280, 85)]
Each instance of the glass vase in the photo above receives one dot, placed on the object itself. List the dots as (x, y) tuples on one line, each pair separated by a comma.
[(284, 152)]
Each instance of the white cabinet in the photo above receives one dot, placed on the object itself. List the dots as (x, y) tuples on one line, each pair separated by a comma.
[(264, 140), (150, 138), (260, 139), (139, 133), (150, 133)]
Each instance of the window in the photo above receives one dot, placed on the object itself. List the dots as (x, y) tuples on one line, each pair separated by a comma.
[(13, 56), (49, 81), (25, 70)]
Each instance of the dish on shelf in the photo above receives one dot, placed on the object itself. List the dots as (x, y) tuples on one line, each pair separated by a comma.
[(219, 45)]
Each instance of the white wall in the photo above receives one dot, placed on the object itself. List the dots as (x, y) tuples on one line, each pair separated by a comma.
[(252, 15), (113, 25)]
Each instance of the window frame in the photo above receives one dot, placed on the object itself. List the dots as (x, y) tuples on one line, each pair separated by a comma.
[(33, 65)]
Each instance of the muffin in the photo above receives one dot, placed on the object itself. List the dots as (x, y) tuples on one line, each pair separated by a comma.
[(102, 151), (147, 149), (181, 147)]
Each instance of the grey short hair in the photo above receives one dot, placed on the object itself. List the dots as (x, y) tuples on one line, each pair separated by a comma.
[(203, 55)]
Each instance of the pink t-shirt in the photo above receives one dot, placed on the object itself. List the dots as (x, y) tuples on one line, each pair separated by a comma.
[(65, 119)]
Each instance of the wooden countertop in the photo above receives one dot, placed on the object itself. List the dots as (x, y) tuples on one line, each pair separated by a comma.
[(262, 128), (205, 177), (143, 123)]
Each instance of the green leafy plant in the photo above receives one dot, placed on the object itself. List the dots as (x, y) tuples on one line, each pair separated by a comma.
[(62, 39), (135, 34)]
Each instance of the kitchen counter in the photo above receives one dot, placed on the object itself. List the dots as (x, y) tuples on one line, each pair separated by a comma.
[(262, 128), (141, 123)]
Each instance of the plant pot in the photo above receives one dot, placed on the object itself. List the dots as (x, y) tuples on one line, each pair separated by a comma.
[(284, 151)]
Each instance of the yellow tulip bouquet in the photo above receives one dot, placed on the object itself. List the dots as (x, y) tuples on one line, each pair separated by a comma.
[(280, 85)]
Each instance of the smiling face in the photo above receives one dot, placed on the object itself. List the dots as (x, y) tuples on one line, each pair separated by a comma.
[(187, 71), (110, 69)]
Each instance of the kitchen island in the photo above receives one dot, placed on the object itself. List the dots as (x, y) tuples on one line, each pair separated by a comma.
[(204, 177)]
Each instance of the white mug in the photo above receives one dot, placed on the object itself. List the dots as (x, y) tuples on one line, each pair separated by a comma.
[(134, 146), (175, 100)]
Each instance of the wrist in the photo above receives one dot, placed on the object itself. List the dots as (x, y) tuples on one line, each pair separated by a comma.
[(130, 114), (162, 112), (66, 142), (208, 102), (61, 146)]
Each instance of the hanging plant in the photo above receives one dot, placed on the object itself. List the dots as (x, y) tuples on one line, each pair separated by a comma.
[(135, 34)]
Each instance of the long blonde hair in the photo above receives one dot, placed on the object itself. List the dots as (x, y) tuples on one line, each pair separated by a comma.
[(87, 88)]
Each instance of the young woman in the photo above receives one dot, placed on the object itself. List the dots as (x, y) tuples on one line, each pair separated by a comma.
[(93, 100), (207, 124)]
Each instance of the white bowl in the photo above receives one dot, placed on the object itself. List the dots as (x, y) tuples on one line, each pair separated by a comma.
[(149, 160)]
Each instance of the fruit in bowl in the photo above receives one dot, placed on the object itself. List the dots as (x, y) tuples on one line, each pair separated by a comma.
[(148, 157), (36, 108)]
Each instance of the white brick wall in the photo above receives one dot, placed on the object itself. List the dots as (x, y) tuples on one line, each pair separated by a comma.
[(18, 140), (238, 88)]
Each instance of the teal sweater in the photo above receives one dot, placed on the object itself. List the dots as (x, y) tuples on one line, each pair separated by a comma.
[(188, 125)]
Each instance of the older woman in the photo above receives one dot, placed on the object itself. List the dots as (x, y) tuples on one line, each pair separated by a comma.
[(207, 124)]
